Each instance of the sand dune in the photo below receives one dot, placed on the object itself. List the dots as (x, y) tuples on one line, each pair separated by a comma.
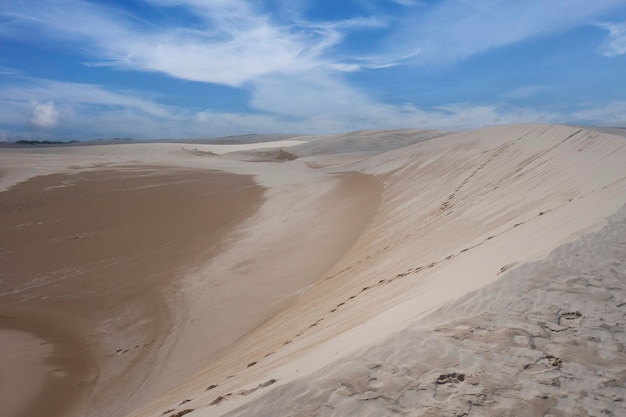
[(380, 282), (546, 339)]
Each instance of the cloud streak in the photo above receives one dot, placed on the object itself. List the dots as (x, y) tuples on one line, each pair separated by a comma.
[(235, 42), (232, 44), (454, 30), (615, 45)]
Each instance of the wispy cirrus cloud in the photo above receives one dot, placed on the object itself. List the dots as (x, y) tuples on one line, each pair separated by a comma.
[(452, 31), (615, 45), (232, 42)]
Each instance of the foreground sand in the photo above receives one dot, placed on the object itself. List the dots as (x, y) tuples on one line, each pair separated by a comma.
[(346, 250), (547, 339)]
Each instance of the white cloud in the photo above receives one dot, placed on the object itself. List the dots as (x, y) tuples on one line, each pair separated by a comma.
[(232, 44), (307, 95), (99, 113), (455, 30), (46, 104), (235, 42), (326, 105), (321, 102), (44, 115), (29, 90), (611, 114), (615, 45)]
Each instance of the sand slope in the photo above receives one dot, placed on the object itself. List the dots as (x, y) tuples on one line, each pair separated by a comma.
[(545, 340), (456, 213)]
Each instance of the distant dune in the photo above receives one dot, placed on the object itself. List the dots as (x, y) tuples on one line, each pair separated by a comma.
[(404, 272)]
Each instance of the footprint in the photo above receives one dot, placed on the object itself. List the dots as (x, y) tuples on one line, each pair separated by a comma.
[(182, 413), (450, 378), (542, 364), (246, 392), (268, 383), (554, 361), (507, 267), (210, 387), (569, 317), (220, 399)]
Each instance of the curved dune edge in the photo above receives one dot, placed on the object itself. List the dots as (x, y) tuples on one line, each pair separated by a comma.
[(271, 259), (457, 212), (227, 286)]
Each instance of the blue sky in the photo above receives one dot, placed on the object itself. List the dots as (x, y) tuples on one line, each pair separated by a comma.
[(80, 69)]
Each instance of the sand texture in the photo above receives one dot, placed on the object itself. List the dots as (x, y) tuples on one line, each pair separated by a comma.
[(376, 273), (547, 339)]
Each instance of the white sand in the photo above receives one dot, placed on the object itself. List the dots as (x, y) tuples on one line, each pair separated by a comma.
[(19, 164), (546, 339), (456, 213)]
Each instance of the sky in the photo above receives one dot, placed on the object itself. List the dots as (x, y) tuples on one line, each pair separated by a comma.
[(157, 69)]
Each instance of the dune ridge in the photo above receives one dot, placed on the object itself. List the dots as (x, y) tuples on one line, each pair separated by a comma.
[(457, 212)]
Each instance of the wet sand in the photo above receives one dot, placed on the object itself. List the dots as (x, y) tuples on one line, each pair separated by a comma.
[(22, 366), (87, 260)]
